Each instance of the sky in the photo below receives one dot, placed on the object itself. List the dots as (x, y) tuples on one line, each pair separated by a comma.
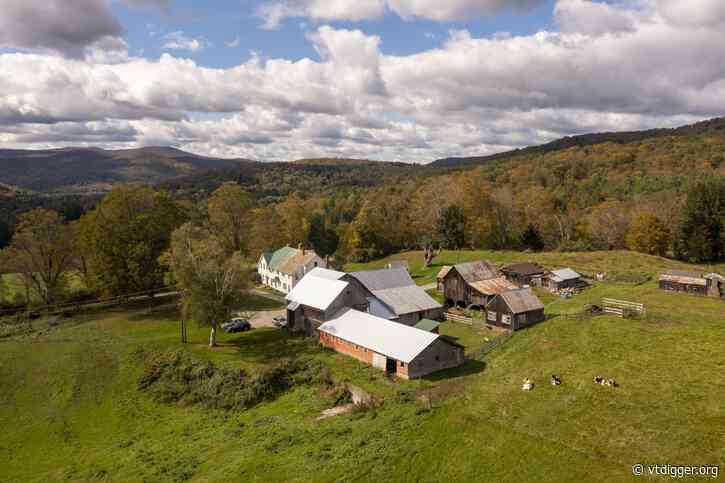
[(402, 80)]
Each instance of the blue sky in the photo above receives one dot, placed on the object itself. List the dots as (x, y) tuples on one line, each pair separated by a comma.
[(225, 21), (404, 80)]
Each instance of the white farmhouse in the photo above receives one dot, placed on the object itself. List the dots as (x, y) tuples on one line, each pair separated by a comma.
[(282, 269)]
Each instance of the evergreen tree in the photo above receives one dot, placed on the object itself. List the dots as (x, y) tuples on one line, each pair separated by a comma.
[(452, 227), (701, 235), (531, 239)]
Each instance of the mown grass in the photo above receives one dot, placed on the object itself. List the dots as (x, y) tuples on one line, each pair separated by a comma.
[(70, 410)]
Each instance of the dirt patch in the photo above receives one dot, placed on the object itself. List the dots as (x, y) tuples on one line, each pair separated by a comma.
[(336, 411), (265, 318)]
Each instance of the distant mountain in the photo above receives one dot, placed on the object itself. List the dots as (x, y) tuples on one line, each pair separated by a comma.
[(713, 126), (93, 170)]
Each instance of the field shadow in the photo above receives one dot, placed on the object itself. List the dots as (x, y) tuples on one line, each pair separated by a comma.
[(468, 368)]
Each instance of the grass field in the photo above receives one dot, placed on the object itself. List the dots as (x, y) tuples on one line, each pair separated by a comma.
[(619, 264), (70, 410)]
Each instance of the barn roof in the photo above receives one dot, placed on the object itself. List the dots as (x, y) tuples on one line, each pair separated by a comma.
[(475, 271), (398, 264), (384, 278), (427, 325), (564, 274), (493, 286), (525, 268), (277, 258), (407, 300), (390, 339), (397, 290), (680, 276), (522, 300), (318, 289), (444, 271)]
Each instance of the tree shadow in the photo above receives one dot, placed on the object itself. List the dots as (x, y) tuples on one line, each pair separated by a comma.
[(267, 345)]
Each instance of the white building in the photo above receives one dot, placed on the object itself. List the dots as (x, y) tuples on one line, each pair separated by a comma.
[(282, 269)]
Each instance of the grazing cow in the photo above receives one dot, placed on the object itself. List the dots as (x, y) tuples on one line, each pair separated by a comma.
[(599, 380), (528, 385), (555, 380)]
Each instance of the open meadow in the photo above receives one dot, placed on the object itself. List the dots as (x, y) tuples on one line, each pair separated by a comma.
[(71, 408)]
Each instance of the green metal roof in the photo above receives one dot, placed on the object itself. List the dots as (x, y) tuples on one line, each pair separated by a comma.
[(279, 257), (427, 325)]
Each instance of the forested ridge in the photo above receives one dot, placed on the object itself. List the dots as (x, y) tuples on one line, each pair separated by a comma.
[(654, 191)]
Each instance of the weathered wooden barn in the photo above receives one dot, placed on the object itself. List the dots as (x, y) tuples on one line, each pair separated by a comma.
[(682, 281), (395, 348), (396, 296), (515, 309), (457, 283), (524, 274), (562, 279), (319, 296)]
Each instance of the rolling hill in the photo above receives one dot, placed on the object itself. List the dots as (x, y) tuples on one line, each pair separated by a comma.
[(93, 170), (714, 127)]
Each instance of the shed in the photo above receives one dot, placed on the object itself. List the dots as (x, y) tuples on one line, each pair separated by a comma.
[(428, 325), (524, 273), (441, 275), (395, 348), (563, 278), (682, 281), (515, 309), (715, 285)]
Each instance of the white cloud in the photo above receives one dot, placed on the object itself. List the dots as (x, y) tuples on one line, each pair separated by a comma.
[(469, 96), (178, 41), (232, 44), (274, 12)]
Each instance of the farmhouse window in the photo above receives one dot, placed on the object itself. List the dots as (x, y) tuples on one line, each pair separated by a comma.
[(491, 316)]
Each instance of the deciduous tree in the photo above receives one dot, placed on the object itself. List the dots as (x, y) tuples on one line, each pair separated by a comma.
[(41, 251), (230, 213), (212, 281), (124, 236), (649, 235)]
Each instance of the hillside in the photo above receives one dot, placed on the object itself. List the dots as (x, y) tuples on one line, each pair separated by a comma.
[(92, 170), (70, 402), (712, 127)]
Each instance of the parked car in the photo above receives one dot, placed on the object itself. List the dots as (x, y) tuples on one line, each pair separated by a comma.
[(280, 322), (236, 325)]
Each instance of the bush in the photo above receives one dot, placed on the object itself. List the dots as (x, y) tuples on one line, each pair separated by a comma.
[(177, 377)]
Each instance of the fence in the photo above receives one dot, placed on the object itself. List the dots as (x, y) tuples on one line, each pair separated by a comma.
[(491, 345), (95, 303), (461, 319), (622, 308)]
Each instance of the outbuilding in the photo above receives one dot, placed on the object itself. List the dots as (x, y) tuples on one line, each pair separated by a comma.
[(395, 348), (524, 274), (682, 281), (441, 275), (515, 309), (563, 278)]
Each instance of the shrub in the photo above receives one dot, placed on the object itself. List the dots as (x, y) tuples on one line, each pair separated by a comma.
[(177, 377)]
